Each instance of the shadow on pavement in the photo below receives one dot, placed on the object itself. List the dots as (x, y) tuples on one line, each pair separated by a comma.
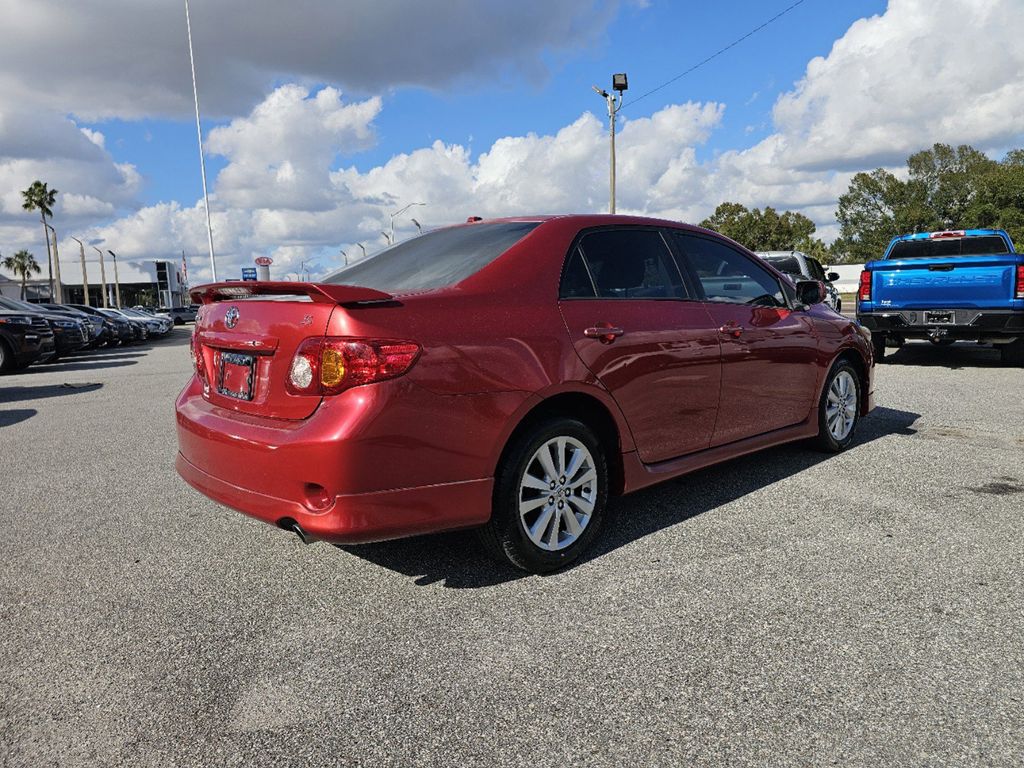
[(457, 559), (19, 394), (954, 356), (69, 364), (9, 418)]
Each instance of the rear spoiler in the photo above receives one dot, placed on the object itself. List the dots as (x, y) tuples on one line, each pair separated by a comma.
[(318, 292)]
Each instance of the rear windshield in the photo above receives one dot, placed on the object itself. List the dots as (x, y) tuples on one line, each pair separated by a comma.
[(958, 246), (787, 264), (434, 260)]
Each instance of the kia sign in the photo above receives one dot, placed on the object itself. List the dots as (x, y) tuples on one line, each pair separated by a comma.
[(263, 263)]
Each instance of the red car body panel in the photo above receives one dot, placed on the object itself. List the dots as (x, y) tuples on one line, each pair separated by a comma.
[(418, 453)]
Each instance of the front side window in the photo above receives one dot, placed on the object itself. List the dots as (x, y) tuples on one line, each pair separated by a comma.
[(622, 264), (727, 275)]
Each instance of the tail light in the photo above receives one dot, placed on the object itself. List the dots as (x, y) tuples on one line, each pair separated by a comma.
[(195, 347), (1018, 289), (864, 293), (329, 365)]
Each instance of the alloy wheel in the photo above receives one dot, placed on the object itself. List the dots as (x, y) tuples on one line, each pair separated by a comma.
[(557, 493), (841, 408)]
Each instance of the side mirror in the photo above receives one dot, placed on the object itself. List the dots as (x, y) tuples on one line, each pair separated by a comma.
[(810, 292), (832, 276)]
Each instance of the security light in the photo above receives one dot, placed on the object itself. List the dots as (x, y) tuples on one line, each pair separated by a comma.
[(619, 82)]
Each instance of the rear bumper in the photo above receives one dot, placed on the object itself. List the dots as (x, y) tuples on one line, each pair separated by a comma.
[(356, 518), (376, 462), (967, 324)]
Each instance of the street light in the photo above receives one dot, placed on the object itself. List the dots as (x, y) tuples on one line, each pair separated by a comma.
[(343, 255), (85, 277), (304, 271), (619, 85), (387, 236), (117, 282), (103, 276), (55, 278), (361, 248), (419, 227), (399, 212)]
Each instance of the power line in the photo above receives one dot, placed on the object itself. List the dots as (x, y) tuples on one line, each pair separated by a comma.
[(715, 55)]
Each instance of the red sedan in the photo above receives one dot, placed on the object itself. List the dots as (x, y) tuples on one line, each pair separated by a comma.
[(508, 375)]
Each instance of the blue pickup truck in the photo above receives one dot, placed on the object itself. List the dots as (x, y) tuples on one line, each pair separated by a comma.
[(945, 286)]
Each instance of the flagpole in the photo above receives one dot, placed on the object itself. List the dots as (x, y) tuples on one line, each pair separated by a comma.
[(199, 132)]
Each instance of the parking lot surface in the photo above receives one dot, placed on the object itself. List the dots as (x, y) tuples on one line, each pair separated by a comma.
[(785, 608)]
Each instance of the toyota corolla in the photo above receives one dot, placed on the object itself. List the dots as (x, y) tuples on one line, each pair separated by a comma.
[(508, 375)]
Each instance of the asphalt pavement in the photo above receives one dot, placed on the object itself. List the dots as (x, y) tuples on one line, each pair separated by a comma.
[(787, 608)]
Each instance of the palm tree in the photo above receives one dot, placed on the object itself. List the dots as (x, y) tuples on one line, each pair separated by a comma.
[(39, 197), (22, 264)]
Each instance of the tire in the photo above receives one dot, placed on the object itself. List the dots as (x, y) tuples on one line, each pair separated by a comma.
[(839, 307), (878, 342), (1012, 353), (839, 408), (581, 497), (6, 358)]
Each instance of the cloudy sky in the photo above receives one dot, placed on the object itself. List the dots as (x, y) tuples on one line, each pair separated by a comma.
[(321, 117)]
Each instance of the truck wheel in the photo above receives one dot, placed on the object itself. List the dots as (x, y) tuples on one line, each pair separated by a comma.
[(1012, 353), (839, 408), (6, 358), (878, 342), (549, 497)]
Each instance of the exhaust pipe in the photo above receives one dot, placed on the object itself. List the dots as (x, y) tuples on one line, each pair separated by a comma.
[(290, 525)]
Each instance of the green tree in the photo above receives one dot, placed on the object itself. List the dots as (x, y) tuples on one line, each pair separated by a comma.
[(945, 188), (22, 264), (766, 230), (39, 197)]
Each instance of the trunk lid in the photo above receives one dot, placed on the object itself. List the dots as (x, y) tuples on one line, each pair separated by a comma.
[(247, 335), (976, 282)]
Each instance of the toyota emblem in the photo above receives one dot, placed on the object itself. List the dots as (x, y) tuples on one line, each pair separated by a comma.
[(231, 318)]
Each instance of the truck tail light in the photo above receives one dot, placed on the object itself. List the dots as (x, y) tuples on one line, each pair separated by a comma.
[(864, 293), (1018, 289), (332, 364)]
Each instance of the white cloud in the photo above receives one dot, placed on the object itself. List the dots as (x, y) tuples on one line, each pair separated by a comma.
[(925, 71)]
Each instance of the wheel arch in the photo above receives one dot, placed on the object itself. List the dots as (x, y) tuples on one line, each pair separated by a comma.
[(589, 409), (856, 359)]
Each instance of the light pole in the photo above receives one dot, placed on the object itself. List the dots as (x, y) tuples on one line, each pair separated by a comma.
[(387, 236), (56, 271), (103, 277), (117, 282), (85, 277), (361, 248), (619, 84), (343, 255), (419, 227), (199, 132), (399, 212), (304, 271)]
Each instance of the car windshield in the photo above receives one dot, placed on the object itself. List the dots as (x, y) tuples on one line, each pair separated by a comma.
[(434, 260), (787, 264), (982, 245)]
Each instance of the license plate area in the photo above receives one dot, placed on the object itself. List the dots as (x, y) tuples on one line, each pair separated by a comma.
[(940, 317), (235, 375)]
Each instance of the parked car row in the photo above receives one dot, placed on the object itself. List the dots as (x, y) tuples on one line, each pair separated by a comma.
[(39, 333)]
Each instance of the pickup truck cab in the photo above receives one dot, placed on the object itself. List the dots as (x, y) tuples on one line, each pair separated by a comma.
[(943, 287)]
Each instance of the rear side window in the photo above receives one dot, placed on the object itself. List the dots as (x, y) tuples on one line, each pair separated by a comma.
[(622, 264), (435, 260), (727, 275), (983, 245), (816, 270), (788, 264)]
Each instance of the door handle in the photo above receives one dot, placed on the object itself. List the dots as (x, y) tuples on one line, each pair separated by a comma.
[(732, 328), (604, 332)]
